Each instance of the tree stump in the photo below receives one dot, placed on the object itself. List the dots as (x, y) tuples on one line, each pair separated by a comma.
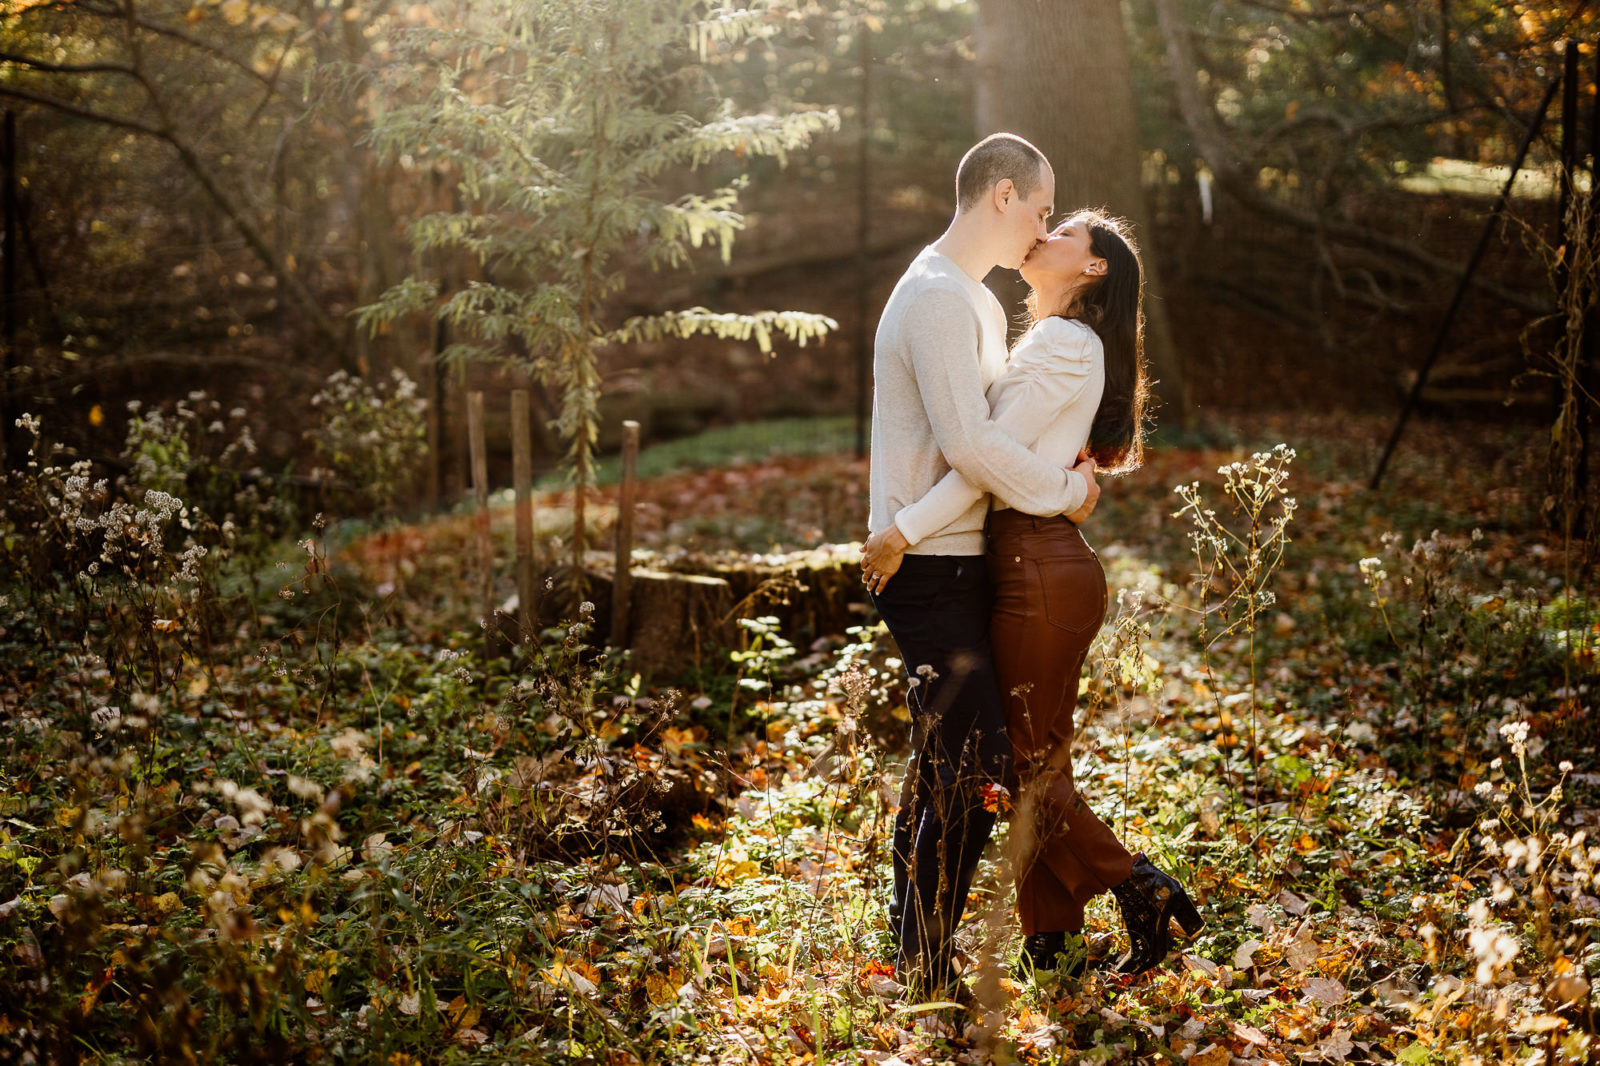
[(679, 616), (676, 619)]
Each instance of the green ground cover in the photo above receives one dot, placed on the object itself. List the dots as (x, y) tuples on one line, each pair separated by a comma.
[(255, 808)]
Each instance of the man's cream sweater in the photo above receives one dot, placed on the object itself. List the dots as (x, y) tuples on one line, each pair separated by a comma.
[(940, 343)]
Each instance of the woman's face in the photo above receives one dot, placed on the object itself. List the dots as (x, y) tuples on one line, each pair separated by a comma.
[(1063, 259)]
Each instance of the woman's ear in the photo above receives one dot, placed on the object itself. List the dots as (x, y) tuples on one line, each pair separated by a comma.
[(1096, 269)]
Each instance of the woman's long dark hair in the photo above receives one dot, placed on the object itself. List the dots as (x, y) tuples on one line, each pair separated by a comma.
[(1114, 308)]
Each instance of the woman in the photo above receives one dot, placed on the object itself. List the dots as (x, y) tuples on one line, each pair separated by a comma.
[(1075, 382)]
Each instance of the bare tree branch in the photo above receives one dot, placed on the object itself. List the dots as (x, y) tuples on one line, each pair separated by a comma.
[(177, 33), (1334, 13), (197, 168), (67, 107), (70, 68), (102, 370), (1213, 147)]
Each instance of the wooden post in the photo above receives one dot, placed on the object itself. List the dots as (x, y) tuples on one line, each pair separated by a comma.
[(622, 582), (480, 488), (8, 276), (522, 479), (1589, 371), (863, 224)]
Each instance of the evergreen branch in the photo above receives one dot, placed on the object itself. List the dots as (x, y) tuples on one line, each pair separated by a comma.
[(798, 326)]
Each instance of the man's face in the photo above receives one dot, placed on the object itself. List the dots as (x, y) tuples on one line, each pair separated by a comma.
[(1025, 219)]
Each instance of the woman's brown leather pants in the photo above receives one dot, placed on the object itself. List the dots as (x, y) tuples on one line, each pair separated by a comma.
[(1050, 599)]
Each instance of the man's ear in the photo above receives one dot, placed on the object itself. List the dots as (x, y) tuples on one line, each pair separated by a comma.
[(1004, 190)]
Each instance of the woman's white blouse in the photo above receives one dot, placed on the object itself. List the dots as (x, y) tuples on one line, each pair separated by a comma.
[(1046, 399)]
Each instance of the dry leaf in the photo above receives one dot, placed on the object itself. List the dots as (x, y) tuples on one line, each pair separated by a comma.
[(1211, 1055), (1245, 958), (1249, 1034), (887, 987), (1324, 990), (1334, 1047), (1540, 1023), (1301, 952)]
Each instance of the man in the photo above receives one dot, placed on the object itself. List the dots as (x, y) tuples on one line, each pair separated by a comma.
[(940, 343)]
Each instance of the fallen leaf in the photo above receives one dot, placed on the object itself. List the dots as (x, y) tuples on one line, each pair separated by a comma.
[(1301, 952), (1249, 1034), (1244, 957), (887, 987), (1334, 1047), (1211, 1055), (1540, 1023), (1326, 991)]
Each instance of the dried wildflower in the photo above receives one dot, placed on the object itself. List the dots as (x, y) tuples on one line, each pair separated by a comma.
[(1516, 734)]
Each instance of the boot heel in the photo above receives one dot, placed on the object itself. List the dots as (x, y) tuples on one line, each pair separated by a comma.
[(1189, 918)]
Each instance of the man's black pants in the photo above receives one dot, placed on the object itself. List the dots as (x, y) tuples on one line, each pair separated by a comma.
[(937, 610)]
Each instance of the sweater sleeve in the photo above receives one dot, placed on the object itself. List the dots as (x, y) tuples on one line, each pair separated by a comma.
[(1046, 376)]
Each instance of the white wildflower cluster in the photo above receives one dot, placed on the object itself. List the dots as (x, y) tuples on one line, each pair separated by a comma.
[(1237, 555), (189, 563), (1516, 734), (164, 446), (1542, 875), (372, 432), (131, 540), (1263, 477), (1492, 943), (253, 806)]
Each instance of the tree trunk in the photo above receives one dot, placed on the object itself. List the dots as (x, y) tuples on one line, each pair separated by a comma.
[(1058, 74)]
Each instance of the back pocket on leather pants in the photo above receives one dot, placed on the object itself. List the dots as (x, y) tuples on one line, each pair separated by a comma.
[(1074, 592)]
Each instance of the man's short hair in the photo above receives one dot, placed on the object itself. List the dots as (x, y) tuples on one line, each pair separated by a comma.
[(992, 160)]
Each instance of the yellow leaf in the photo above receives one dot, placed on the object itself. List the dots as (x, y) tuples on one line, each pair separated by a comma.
[(234, 12), (660, 989), (97, 415), (463, 1015), (735, 865), (1541, 1023), (200, 685), (196, 14)]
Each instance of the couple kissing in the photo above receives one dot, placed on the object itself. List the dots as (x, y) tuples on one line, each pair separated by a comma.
[(982, 469)]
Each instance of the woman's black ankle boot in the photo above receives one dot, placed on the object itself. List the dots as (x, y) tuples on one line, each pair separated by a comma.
[(1051, 952), (1149, 900)]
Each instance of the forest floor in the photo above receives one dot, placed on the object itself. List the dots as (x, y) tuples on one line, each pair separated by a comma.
[(339, 833)]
